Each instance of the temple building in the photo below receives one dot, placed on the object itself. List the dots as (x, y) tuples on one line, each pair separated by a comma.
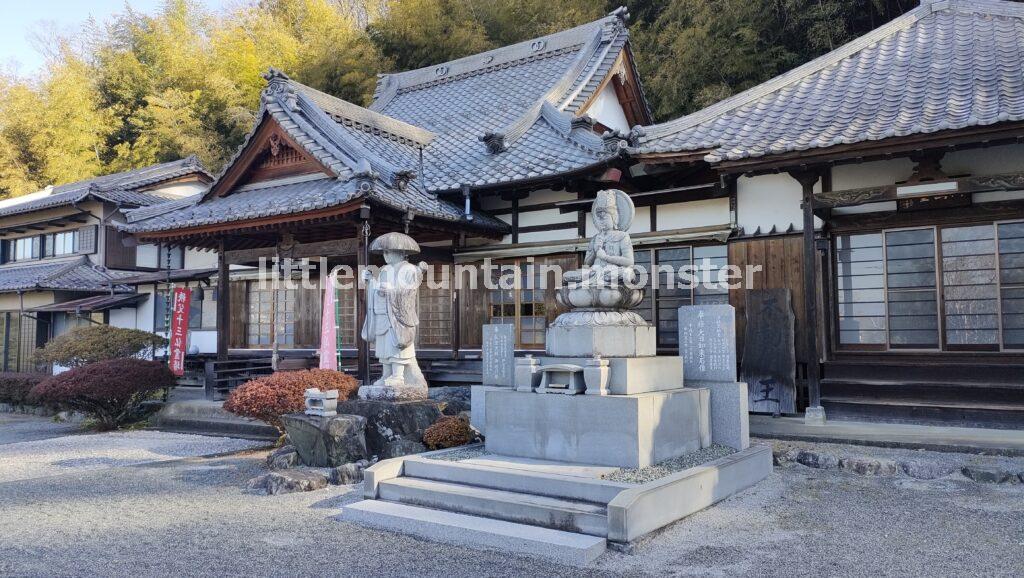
[(881, 186), (64, 263)]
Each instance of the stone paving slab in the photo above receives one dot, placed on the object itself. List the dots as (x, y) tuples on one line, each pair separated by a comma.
[(16, 428)]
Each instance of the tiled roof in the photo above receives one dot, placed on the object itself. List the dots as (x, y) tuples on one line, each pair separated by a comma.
[(76, 275), (497, 96), (948, 64), (120, 188), (504, 116)]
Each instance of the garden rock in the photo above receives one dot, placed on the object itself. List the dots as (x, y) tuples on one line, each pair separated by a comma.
[(783, 456), (864, 466), (349, 473), (987, 474), (326, 442), (401, 447), (393, 428), (821, 461), (291, 481), (925, 469), (454, 399), (283, 458)]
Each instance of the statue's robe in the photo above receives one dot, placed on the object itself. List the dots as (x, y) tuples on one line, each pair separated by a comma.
[(392, 315)]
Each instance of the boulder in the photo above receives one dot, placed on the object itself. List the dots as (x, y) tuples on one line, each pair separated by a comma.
[(926, 469), (987, 474), (454, 399), (818, 460), (283, 458), (401, 447), (291, 481), (393, 428), (326, 442), (349, 473), (865, 466)]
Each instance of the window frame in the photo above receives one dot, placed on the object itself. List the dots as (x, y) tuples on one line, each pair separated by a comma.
[(943, 345)]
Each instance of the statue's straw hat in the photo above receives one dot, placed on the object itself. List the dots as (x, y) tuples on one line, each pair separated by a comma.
[(397, 242)]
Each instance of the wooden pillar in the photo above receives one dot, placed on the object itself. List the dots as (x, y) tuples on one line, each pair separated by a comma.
[(223, 303), (456, 300), (362, 260), (807, 180)]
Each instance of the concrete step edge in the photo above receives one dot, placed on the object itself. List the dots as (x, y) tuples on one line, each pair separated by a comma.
[(575, 488), (539, 511), (476, 531)]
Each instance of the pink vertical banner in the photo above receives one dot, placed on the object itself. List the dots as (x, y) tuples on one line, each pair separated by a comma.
[(180, 301), (328, 330)]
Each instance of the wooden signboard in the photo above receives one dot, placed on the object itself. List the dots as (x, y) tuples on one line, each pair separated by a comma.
[(769, 357)]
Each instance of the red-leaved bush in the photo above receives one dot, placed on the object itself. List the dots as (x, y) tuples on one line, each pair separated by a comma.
[(15, 387), (268, 398), (447, 432), (110, 392)]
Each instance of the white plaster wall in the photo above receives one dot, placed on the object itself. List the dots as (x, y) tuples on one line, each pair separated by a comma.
[(11, 301), (542, 236), (986, 161), (873, 174), (606, 110), (545, 217), (125, 317), (179, 189), (147, 256), (693, 214), (196, 259), (144, 311), (768, 201)]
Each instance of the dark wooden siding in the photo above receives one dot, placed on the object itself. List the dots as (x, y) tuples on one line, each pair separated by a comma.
[(307, 318), (239, 314), (116, 254), (781, 262)]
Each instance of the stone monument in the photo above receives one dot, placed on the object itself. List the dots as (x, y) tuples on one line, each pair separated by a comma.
[(769, 353), (707, 344), (392, 319), (615, 402), (498, 369)]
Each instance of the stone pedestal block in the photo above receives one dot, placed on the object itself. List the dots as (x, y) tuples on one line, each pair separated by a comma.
[(633, 375), (730, 424), (610, 430), (603, 340), (326, 442), (478, 411), (393, 428)]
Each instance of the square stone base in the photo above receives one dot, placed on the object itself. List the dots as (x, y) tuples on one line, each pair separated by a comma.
[(632, 431), (477, 408), (606, 341), (730, 421)]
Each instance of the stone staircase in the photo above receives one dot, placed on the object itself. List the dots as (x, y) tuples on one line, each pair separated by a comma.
[(555, 511)]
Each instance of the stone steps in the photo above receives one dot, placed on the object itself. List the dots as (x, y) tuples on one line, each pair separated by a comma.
[(522, 508), (476, 532), (572, 488)]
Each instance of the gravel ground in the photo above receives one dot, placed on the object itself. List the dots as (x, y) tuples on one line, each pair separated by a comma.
[(15, 427), (78, 453), (192, 518), (662, 469)]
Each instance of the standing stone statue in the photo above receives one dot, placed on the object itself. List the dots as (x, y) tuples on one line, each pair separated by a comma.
[(392, 319)]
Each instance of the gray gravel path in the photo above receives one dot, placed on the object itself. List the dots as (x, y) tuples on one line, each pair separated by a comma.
[(191, 518), (99, 451), (15, 427)]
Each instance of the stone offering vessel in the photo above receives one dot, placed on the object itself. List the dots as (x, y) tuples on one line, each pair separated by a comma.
[(392, 320)]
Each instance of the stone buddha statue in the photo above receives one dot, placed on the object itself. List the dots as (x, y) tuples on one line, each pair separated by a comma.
[(606, 281), (609, 259), (392, 320)]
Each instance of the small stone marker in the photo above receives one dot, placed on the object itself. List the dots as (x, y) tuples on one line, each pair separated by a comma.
[(769, 356), (707, 342), (499, 354)]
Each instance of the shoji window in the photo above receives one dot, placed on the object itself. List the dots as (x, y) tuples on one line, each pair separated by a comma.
[(956, 288)]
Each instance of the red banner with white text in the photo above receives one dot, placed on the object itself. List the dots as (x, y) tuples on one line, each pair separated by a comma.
[(180, 303)]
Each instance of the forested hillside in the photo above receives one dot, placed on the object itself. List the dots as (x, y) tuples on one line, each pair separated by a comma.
[(141, 89)]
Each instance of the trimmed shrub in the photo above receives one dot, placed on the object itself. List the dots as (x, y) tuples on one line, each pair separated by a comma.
[(447, 432), (268, 398), (110, 392), (86, 345), (15, 387)]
